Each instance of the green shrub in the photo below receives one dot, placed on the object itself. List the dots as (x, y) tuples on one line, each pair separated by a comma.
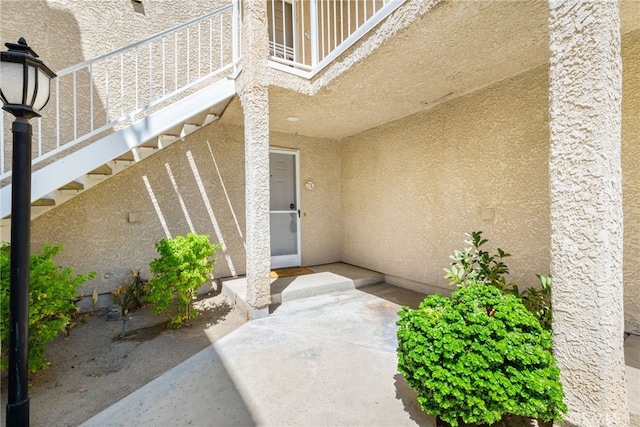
[(52, 294), (185, 264), (475, 265), (479, 357)]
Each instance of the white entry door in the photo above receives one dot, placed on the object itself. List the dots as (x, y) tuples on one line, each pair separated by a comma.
[(285, 210)]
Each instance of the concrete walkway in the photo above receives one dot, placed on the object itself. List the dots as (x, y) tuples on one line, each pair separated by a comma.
[(326, 357), (320, 361)]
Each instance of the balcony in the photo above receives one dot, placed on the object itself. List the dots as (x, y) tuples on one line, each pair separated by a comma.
[(305, 36)]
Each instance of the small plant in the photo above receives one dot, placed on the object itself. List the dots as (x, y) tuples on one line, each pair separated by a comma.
[(185, 264), (52, 293), (475, 265), (478, 358), (131, 294), (538, 301)]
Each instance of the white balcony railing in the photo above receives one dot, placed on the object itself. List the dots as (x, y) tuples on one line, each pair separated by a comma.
[(307, 35), (94, 97)]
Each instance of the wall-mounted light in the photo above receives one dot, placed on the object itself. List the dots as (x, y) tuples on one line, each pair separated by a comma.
[(293, 118)]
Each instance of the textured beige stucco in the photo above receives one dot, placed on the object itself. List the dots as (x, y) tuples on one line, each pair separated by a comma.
[(77, 30), (95, 229), (320, 206), (631, 178), (254, 97), (412, 188), (426, 53), (585, 179)]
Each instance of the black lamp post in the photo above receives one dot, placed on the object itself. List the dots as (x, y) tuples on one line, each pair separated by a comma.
[(25, 85)]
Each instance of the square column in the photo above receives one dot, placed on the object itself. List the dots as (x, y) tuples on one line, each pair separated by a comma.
[(254, 97), (585, 178), (255, 104)]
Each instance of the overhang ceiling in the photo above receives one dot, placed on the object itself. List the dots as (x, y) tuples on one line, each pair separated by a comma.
[(456, 48)]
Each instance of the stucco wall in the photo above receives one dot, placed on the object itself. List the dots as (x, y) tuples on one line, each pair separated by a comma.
[(76, 30), (320, 206), (631, 177), (413, 187), (94, 227)]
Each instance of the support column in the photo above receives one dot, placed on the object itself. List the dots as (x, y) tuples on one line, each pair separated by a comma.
[(585, 180), (254, 97)]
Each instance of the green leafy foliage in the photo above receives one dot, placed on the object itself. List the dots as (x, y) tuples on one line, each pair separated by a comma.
[(185, 263), (52, 294), (538, 300), (475, 265), (479, 357)]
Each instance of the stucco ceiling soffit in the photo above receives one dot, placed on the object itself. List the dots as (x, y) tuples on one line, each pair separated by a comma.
[(456, 49)]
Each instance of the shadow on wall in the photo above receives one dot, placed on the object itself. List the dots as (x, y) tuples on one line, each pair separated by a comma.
[(198, 204), (110, 228)]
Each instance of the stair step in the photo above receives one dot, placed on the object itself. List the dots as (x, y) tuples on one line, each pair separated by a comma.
[(174, 131), (73, 185), (127, 157), (189, 128), (44, 202), (102, 170), (210, 119), (198, 119), (152, 143)]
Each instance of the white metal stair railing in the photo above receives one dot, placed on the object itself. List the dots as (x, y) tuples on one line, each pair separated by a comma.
[(98, 95), (113, 89), (82, 161), (306, 36)]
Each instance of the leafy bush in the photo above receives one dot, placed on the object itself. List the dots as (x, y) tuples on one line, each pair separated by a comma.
[(52, 294), (475, 265), (478, 357), (185, 264)]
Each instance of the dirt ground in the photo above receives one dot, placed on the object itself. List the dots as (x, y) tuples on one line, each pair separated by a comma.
[(95, 366)]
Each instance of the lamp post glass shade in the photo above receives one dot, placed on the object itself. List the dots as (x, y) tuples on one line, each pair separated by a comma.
[(25, 82)]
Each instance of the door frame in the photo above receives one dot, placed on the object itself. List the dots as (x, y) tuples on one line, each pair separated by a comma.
[(295, 260)]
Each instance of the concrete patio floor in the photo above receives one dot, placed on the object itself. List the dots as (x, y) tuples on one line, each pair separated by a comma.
[(325, 356), (325, 360)]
